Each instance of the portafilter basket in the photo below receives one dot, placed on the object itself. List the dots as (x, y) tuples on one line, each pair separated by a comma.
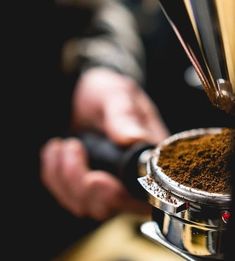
[(188, 221), (191, 221)]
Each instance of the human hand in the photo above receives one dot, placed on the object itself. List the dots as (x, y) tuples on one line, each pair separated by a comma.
[(115, 105), (82, 191)]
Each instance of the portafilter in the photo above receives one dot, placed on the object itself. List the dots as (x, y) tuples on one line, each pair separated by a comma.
[(188, 221)]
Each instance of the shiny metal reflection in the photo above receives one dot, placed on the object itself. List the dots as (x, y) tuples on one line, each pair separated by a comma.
[(206, 32), (190, 220)]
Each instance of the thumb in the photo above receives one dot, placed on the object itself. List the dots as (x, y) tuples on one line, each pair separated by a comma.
[(124, 128)]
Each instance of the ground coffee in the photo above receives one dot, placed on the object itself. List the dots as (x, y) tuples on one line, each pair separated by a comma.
[(203, 162)]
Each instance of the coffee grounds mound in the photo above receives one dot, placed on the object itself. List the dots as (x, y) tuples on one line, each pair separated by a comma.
[(203, 162)]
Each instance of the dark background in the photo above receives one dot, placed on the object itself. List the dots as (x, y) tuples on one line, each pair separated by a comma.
[(37, 108)]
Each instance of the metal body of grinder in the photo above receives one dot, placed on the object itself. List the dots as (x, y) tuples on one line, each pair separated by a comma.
[(190, 222), (194, 221)]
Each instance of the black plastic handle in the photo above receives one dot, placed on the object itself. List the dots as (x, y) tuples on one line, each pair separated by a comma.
[(120, 161)]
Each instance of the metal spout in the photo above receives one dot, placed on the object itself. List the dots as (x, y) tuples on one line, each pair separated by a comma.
[(206, 32)]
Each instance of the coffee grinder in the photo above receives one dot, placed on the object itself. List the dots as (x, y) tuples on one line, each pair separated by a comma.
[(191, 222)]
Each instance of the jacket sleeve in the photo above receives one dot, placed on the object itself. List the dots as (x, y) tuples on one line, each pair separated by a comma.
[(111, 41)]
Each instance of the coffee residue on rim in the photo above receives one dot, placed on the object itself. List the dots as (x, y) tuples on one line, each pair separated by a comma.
[(203, 162)]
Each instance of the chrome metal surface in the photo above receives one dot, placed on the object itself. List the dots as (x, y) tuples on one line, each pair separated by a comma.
[(206, 32), (152, 231), (160, 198), (190, 220), (194, 238), (194, 195)]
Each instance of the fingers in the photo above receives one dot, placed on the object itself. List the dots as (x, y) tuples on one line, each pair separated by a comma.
[(117, 106), (122, 120), (52, 176), (78, 189), (151, 118), (108, 197), (105, 194), (126, 115), (132, 117)]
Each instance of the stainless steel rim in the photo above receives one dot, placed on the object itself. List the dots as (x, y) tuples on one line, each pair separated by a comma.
[(178, 189)]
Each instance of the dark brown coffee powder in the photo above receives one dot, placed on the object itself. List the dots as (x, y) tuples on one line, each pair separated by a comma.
[(202, 162)]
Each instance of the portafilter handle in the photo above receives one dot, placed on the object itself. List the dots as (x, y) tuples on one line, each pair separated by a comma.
[(123, 162)]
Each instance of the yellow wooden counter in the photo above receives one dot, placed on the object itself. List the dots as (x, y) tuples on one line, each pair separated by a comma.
[(118, 239)]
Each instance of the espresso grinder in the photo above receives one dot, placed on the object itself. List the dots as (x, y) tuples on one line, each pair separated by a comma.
[(188, 221)]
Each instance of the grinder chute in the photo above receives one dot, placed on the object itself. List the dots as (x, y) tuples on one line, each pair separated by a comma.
[(206, 31)]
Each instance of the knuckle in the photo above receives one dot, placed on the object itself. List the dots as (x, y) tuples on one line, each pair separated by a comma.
[(74, 145), (52, 146), (69, 174), (95, 184)]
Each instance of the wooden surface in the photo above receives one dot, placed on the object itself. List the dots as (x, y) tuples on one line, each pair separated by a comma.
[(118, 239)]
